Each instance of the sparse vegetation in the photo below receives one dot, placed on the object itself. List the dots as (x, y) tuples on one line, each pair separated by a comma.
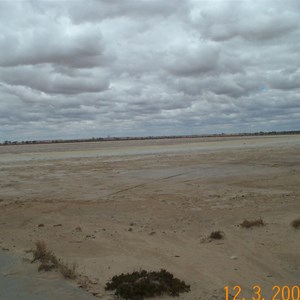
[(68, 271), (217, 235), (143, 284), (84, 283), (46, 266), (249, 224), (42, 253), (296, 223), (50, 262)]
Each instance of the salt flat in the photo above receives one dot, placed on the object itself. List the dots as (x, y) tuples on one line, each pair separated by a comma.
[(116, 207)]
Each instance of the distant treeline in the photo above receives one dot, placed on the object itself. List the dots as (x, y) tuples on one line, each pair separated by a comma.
[(98, 139)]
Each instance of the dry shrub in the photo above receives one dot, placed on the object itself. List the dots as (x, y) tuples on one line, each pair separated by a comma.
[(40, 251), (46, 266), (296, 223), (50, 262), (84, 282), (67, 271), (249, 224), (217, 235), (144, 284), (44, 255)]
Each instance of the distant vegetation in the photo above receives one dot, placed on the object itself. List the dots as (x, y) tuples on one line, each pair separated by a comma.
[(296, 223), (217, 235), (254, 223), (147, 138)]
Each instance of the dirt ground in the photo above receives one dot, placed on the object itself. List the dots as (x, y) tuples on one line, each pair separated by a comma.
[(116, 207)]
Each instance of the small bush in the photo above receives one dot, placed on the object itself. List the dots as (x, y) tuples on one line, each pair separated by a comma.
[(143, 284), (296, 223), (249, 224), (217, 235)]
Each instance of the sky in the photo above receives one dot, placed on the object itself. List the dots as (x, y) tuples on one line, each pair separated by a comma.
[(98, 68)]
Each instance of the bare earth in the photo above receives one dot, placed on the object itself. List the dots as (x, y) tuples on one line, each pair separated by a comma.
[(115, 207)]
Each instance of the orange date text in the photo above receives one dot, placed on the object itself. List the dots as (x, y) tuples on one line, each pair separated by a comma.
[(284, 292)]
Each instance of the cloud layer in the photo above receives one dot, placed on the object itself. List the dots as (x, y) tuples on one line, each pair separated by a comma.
[(148, 67)]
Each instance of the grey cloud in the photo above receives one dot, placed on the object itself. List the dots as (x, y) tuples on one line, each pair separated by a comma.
[(95, 11), (191, 62), (44, 79), (232, 86), (228, 87), (283, 81), (98, 68), (75, 48), (33, 33), (260, 22)]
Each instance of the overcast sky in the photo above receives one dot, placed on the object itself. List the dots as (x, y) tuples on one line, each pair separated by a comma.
[(148, 67)]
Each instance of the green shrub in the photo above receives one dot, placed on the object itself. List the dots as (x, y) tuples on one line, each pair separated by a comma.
[(143, 284)]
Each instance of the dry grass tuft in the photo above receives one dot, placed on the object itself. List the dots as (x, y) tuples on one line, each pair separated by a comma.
[(42, 253), (296, 223), (50, 262), (46, 266), (249, 224), (68, 271)]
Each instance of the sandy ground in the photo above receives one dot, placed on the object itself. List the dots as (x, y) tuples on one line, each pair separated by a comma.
[(115, 207)]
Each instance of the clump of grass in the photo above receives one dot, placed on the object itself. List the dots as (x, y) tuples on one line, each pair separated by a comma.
[(84, 282), (249, 224), (46, 266), (50, 262), (217, 235), (44, 255), (296, 223), (144, 284), (68, 271)]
